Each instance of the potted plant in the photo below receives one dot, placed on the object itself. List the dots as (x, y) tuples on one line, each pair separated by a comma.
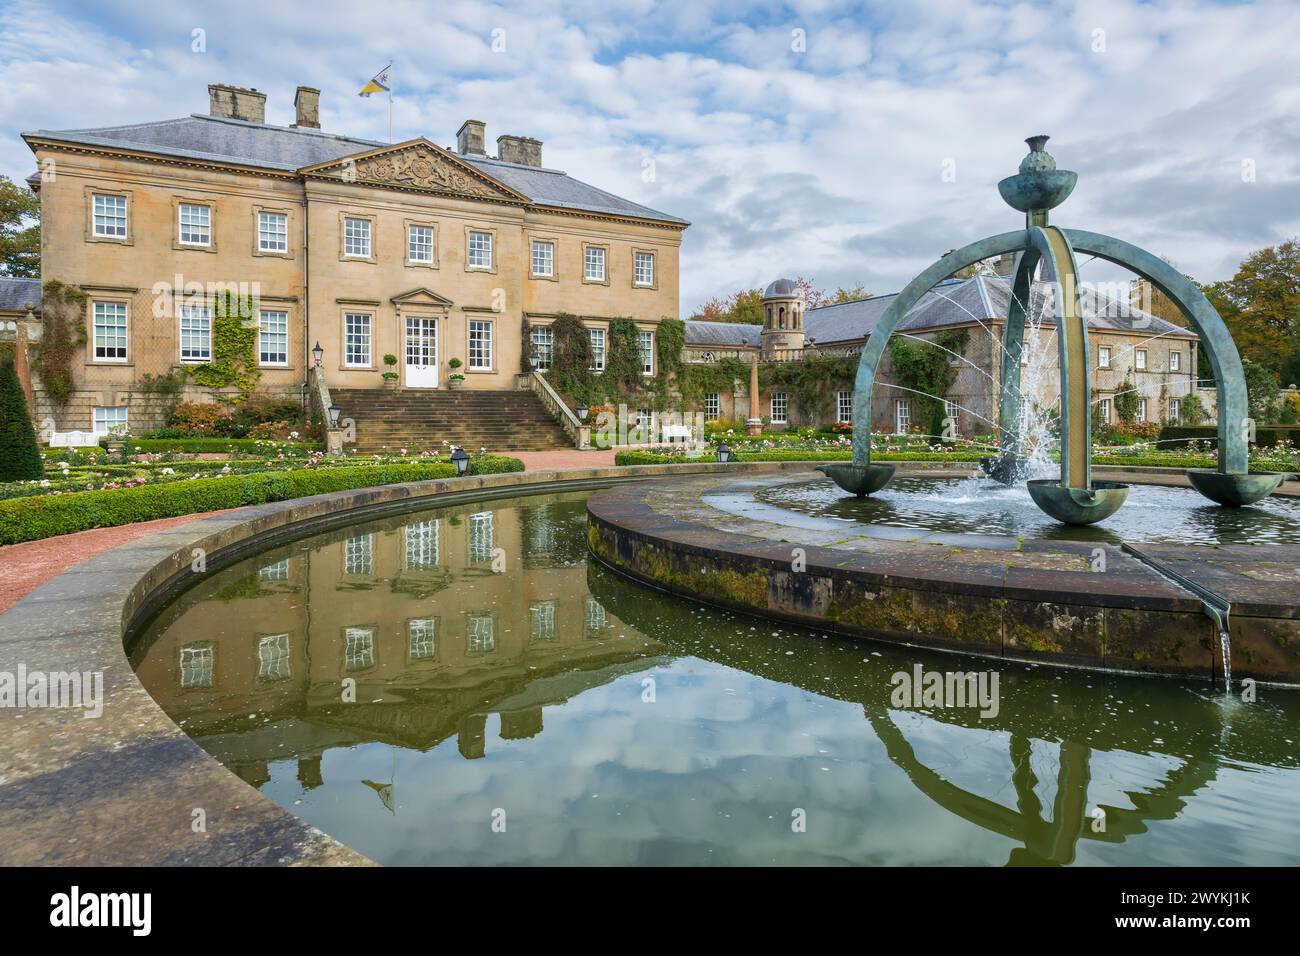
[(455, 379), (391, 375)]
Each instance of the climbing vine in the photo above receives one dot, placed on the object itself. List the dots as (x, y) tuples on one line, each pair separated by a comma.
[(234, 346), (63, 333), (927, 372), (811, 380)]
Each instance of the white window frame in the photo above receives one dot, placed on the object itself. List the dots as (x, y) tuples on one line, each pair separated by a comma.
[(481, 633), (542, 339), (844, 407), (902, 416), (1175, 411), (542, 623), (358, 240), (1105, 410), (198, 665), (649, 271), (480, 335), (597, 351), (482, 537), (412, 245), (1175, 361), (645, 343), (104, 220), (198, 318), (477, 244), (272, 232), (779, 407), (120, 310), (120, 423), (1103, 356), (359, 555), (263, 330), (273, 660), (712, 407), (548, 259), (205, 226), (358, 648), (1141, 411), (1140, 360), (362, 339), (593, 263), (422, 638)]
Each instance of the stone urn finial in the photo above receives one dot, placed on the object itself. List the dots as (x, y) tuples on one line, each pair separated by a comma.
[(1039, 186)]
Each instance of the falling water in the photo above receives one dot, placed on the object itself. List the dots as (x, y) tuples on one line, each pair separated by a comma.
[(1225, 643), (1038, 374)]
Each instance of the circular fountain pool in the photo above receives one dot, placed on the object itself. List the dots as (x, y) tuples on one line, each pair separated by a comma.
[(465, 686), (982, 506)]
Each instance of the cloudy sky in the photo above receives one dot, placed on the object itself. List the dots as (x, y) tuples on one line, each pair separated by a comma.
[(846, 142)]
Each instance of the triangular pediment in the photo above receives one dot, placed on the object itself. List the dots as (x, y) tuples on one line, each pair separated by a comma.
[(421, 297), (416, 164)]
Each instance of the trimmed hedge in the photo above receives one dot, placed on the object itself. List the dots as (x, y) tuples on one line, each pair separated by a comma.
[(28, 519), (214, 446), (1266, 436)]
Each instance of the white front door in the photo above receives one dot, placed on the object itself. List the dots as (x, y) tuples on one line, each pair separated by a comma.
[(421, 352)]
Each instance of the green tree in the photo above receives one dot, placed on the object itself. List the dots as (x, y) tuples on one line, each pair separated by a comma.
[(1261, 392), (20, 231), (1191, 410), (1261, 306), (20, 457)]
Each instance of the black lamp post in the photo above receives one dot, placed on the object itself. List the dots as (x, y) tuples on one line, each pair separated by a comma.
[(724, 454), (317, 353), (334, 416), (582, 411), (460, 460)]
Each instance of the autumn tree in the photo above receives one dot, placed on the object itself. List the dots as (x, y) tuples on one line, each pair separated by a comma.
[(20, 231)]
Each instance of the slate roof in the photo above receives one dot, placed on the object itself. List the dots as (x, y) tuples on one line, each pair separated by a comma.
[(722, 334), (951, 302), (16, 293), (220, 139)]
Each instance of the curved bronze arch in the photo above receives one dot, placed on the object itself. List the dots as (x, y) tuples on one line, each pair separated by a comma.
[(1225, 361)]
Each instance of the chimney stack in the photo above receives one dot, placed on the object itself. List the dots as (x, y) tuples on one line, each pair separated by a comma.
[(523, 150), (236, 102), (1005, 264), (306, 104), (469, 138)]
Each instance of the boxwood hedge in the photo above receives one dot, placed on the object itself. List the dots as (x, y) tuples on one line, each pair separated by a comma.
[(28, 519)]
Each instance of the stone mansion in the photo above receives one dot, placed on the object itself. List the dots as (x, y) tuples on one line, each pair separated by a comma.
[(424, 268), (436, 256)]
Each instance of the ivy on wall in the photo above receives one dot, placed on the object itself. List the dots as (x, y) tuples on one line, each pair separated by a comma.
[(810, 380), (234, 346), (63, 334), (622, 381), (927, 371)]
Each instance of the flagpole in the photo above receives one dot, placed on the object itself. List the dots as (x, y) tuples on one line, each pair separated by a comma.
[(390, 114)]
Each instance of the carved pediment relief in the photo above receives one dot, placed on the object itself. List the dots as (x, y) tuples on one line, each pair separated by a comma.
[(416, 165)]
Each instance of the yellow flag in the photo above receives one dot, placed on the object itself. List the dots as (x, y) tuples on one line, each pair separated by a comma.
[(382, 83)]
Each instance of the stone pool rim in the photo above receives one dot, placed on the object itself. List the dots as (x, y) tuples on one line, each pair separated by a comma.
[(121, 790), (1132, 619)]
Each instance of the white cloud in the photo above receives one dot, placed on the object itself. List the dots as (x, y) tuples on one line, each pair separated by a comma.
[(825, 163)]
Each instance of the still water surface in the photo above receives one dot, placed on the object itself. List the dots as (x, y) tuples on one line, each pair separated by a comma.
[(601, 722)]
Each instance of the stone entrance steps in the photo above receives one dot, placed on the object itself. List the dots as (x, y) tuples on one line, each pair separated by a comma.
[(498, 420)]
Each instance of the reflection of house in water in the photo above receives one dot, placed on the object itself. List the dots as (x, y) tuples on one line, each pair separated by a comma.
[(258, 661)]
